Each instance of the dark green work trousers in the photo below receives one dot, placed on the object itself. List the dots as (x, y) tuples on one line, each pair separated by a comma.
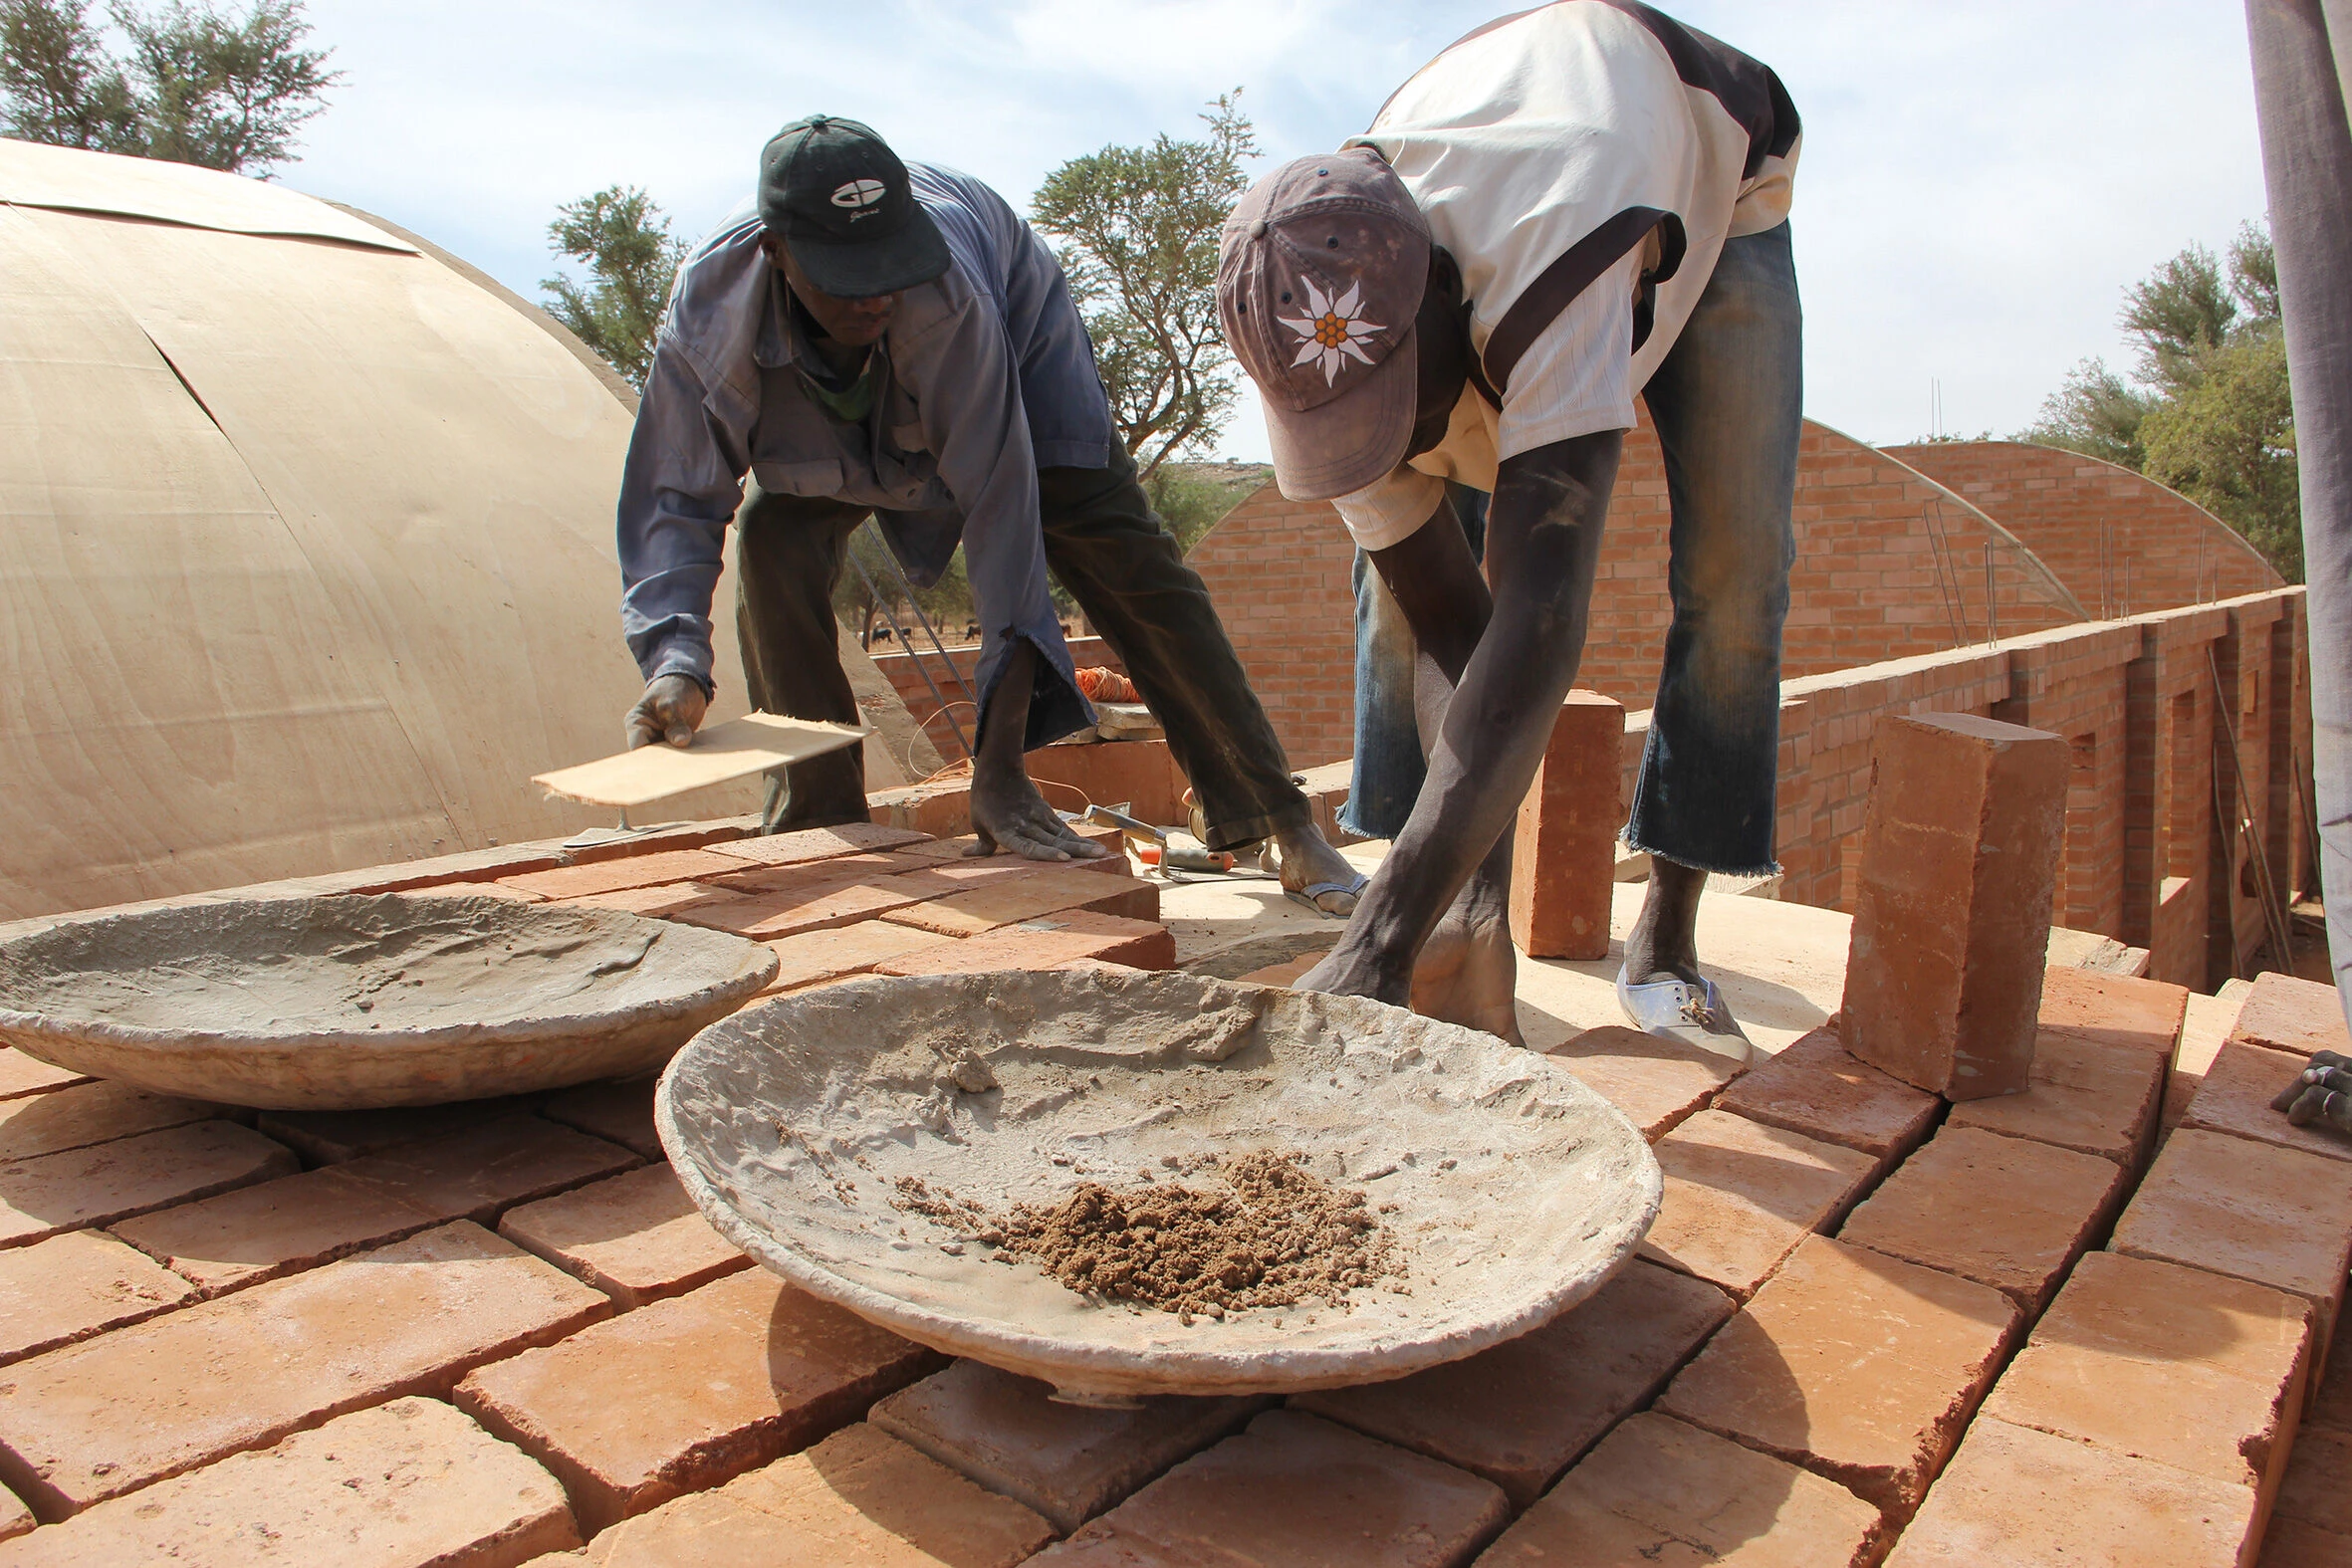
[(1103, 544)]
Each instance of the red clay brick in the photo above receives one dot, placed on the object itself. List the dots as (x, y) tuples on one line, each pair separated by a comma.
[(69, 1287), (1139, 775), (1298, 1491), (2113, 1010), (2314, 1489), (1814, 1086), (753, 880), (1655, 1081), (2026, 1499), (2154, 1361), (93, 1113), (96, 1420), (2331, 1400), (1046, 891), (2085, 1095), (607, 876), (816, 955), (616, 1110), (1854, 1365), (667, 900), (114, 1181), (1563, 857), (857, 1497), (1523, 1412), (1960, 863), (1043, 943), (802, 906), (2290, 1014), (686, 1393), (480, 1173), (1740, 1196), (817, 844), (15, 1519), (2235, 1098), (264, 1232), (21, 1075), (2005, 1212), (2251, 1211), (410, 1482), (1067, 1461), (2290, 1543), (1659, 1491), (329, 1137), (638, 1238)]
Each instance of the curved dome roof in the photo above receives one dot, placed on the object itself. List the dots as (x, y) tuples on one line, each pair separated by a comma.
[(305, 541)]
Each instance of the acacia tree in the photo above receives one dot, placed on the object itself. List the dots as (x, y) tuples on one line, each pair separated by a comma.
[(196, 86), (1138, 229), (625, 242)]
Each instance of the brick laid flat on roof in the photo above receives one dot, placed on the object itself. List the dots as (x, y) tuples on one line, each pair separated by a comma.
[(408, 1483), (71, 1286), (93, 1113), (1655, 1081), (817, 844), (258, 1232), (756, 880), (667, 900), (606, 876), (1659, 1491), (2084, 1095), (2235, 1098), (2026, 1499), (2113, 1010), (1043, 943), (2296, 1016), (114, 1181), (1816, 1087), (1044, 891), (804, 906), (859, 1497), (1295, 1490), (2005, 1212), (331, 1136), (1066, 1462), (2247, 1210), (617, 1111), (98, 1418), (478, 1174), (816, 955), (636, 1236), (21, 1075), (1521, 1413), (1855, 1366), (1740, 1196), (2155, 1361), (684, 1394)]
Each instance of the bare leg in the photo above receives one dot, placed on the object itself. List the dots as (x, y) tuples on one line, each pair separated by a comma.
[(1664, 942)]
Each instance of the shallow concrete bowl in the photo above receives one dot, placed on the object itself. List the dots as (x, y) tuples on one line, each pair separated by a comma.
[(356, 1003), (1510, 1190)]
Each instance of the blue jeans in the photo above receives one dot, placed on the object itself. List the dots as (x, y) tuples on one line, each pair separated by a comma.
[(1728, 403)]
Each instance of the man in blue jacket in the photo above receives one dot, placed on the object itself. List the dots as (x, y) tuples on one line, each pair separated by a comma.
[(870, 337)]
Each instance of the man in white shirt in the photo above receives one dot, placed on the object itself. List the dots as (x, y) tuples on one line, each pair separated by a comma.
[(1568, 207)]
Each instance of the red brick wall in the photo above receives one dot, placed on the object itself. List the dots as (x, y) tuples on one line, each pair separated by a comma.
[(2122, 543), (1279, 572)]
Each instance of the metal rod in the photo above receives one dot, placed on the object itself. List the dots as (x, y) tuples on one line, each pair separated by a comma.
[(890, 556), (2275, 920), (899, 632)]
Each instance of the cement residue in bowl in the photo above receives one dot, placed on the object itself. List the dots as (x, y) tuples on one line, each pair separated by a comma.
[(1274, 1234)]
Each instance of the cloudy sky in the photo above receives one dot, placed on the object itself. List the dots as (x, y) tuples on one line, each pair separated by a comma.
[(1979, 183)]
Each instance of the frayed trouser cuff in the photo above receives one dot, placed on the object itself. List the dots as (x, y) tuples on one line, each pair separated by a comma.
[(1768, 868)]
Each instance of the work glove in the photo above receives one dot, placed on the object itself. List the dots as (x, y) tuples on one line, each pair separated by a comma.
[(671, 710)]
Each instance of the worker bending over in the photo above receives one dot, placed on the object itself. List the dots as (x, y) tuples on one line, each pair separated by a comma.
[(1567, 207), (869, 337)]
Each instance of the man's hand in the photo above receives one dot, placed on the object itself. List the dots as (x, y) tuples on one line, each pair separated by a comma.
[(1009, 814), (671, 710)]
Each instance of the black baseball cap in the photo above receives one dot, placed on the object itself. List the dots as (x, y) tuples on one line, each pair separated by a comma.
[(840, 199)]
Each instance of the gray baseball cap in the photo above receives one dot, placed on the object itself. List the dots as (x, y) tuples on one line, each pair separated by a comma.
[(1319, 275)]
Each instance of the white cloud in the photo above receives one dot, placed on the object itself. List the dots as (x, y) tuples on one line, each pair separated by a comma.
[(1978, 184)]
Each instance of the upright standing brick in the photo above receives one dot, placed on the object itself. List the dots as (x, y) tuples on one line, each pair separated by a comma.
[(1740, 1197), (684, 1394), (1660, 1491), (1563, 855), (112, 1414), (1855, 1366), (410, 1482), (1067, 1461), (1522, 1412), (1293, 1490), (1960, 864)]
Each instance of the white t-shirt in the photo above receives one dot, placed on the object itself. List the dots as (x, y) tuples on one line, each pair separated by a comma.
[(1597, 128)]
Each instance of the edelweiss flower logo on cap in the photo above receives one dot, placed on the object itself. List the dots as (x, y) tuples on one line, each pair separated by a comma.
[(1334, 333)]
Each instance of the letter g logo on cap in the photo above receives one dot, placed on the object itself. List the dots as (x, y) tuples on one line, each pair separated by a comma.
[(859, 193)]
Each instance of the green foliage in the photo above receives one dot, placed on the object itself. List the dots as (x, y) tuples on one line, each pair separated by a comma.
[(624, 241), (1138, 229), (196, 86), (2210, 414), (1193, 497)]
